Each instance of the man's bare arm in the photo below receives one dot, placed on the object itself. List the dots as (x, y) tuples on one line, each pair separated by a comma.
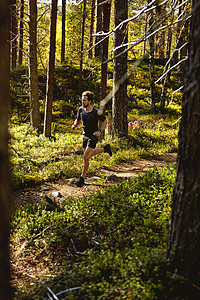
[(76, 122), (103, 126)]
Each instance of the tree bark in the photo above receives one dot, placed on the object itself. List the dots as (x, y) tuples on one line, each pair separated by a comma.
[(104, 58), (183, 247), (104, 55), (119, 101), (5, 288), (33, 73), (14, 34), (63, 31), (169, 40), (151, 62), (21, 32), (82, 35), (82, 46), (99, 20), (91, 29), (51, 69)]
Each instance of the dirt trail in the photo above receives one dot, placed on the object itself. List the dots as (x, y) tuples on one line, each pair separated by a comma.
[(31, 268), (104, 177)]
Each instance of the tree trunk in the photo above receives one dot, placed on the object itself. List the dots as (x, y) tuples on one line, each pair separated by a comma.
[(91, 29), (151, 62), (104, 57), (183, 52), (145, 32), (183, 237), (21, 32), (168, 43), (50, 73), (14, 34), (5, 288), (82, 46), (119, 101), (99, 20), (9, 26), (171, 62), (33, 73), (63, 31), (106, 23), (82, 35)]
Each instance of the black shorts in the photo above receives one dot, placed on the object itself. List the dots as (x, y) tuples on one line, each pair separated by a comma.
[(90, 141)]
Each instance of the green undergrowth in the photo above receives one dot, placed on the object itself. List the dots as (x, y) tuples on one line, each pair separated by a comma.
[(35, 159), (108, 245)]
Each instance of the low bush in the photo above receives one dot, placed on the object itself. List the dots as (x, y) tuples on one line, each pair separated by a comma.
[(36, 159), (108, 245)]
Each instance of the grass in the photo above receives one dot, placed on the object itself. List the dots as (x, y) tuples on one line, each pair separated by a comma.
[(108, 245), (36, 159)]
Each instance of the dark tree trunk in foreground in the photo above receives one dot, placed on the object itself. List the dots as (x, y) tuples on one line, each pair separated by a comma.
[(5, 289), (119, 101), (183, 248), (51, 69)]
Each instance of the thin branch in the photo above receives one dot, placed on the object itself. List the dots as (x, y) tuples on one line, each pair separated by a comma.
[(142, 39), (40, 41), (75, 3), (104, 101), (104, 2), (51, 296), (174, 92), (132, 45), (177, 121), (147, 36), (174, 66), (168, 63), (121, 24), (43, 14), (77, 252), (70, 290)]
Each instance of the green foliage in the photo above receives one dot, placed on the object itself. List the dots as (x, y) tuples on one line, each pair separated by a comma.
[(35, 159), (19, 89), (138, 90), (67, 89), (111, 245)]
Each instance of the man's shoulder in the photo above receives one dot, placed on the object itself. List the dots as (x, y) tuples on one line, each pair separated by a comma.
[(95, 109), (103, 116), (81, 108)]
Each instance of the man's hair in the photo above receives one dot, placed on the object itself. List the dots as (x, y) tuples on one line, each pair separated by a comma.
[(89, 94)]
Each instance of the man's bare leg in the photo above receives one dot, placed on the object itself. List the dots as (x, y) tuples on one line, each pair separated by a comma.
[(88, 153)]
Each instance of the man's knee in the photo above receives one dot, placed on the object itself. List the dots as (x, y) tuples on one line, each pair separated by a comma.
[(87, 154), (86, 158)]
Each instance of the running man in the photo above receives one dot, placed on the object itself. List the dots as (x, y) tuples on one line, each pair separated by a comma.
[(89, 117)]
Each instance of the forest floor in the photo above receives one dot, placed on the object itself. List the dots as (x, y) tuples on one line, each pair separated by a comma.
[(105, 177), (29, 269)]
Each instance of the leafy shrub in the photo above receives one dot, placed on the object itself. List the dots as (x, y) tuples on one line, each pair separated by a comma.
[(111, 245)]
